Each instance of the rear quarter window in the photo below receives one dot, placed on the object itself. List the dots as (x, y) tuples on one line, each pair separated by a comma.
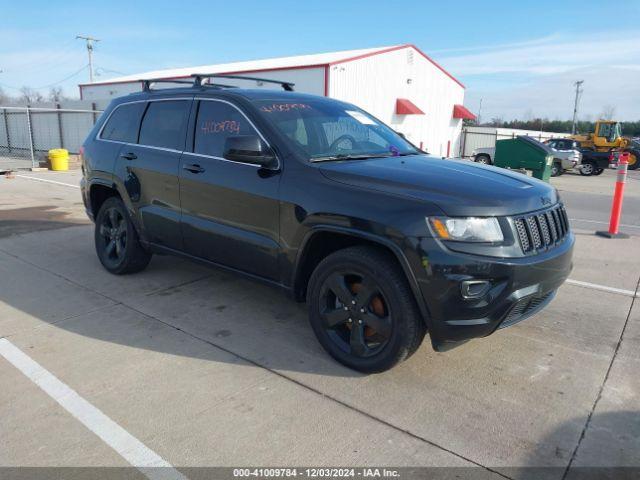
[(122, 125)]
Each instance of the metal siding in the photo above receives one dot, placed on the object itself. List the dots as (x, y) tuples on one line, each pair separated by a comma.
[(99, 92), (307, 80), (374, 83)]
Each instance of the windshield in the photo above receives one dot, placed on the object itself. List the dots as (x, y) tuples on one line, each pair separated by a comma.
[(330, 130)]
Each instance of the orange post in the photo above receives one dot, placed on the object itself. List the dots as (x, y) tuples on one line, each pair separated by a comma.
[(616, 207)]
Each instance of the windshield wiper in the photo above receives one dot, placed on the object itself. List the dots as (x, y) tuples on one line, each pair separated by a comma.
[(345, 156)]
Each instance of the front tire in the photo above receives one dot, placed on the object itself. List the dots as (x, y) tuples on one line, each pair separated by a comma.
[(117, 243), (556, 169), (362, 309), (483, 159), (587, 169)]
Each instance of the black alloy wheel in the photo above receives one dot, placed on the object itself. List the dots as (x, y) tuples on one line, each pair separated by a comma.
[(116, 239), (113, 233), (355, 315), (362, 309)]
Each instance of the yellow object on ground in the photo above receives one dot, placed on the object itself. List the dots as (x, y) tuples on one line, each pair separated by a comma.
[(59, 158)]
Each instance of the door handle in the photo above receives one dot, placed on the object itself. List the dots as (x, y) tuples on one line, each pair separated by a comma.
[(193, 168), (129, 156)]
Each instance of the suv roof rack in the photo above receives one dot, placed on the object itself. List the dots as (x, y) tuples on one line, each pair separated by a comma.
[(146, 83), (198, 77)]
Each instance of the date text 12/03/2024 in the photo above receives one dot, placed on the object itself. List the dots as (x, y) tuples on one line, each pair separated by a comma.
[(325, 472)]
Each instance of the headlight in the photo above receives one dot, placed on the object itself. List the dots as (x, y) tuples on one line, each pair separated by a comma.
[(471, 229)]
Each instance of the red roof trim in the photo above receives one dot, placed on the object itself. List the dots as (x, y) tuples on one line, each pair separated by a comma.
[(407, 107), (370, 54), (460, 111), (400, 47)]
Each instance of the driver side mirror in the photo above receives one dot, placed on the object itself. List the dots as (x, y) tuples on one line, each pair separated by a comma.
[(249, 149)]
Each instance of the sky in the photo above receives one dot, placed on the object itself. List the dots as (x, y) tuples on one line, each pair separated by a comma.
[(521, 58)]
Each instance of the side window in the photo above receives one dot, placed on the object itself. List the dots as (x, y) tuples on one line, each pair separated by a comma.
[(123, 123), (216, 122), (606, 130), (552, 144), (164, 124)]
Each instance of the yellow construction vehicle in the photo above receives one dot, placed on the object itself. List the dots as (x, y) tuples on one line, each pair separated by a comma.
[(608, 138)]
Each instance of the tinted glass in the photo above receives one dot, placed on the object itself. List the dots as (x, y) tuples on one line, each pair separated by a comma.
[(216, 122), (324, 129), (123, 123), (164, 124)]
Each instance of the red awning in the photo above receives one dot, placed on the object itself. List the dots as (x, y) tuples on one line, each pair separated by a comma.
[(459, 111), (407, 107)]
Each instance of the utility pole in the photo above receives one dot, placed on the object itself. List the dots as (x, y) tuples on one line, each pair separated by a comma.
[(578, 85), (89, 41), (479, 112)]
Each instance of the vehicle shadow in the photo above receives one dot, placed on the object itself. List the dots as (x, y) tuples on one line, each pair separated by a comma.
[(256, 322), (34, 219), (610, 449)]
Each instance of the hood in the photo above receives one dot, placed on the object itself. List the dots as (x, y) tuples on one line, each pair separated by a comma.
[(458, 187)]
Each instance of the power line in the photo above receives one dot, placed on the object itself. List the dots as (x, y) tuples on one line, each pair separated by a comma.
[(48, 85), (64, 79), (107, 70)]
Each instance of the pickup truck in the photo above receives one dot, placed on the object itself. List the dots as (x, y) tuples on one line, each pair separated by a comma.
[(565, 159)]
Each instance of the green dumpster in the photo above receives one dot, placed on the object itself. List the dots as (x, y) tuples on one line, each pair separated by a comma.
[(524, 153)]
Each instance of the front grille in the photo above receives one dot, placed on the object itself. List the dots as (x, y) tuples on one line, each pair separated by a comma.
[(526, 307), (542, 230)]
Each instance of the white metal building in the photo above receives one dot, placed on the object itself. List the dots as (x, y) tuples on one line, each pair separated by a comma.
[(400, 85)]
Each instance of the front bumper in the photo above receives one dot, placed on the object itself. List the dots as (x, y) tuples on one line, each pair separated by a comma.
[(518, 288)]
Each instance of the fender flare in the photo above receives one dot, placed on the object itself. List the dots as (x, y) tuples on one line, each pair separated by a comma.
[(383, 242), (122, 193)]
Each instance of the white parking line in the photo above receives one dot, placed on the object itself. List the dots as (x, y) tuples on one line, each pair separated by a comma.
[(602, 223), (48, 181), (125, 444), (603, 288)]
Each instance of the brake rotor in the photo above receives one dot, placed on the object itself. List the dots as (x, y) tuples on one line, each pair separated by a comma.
[(376, 304)]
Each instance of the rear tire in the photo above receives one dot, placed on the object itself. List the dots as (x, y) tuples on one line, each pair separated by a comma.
[(117, 243), (634, 160), (362, 310)]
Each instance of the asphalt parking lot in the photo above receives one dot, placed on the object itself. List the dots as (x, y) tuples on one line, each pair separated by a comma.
[(183, 366)]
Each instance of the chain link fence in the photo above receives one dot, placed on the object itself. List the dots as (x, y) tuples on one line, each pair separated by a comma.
[(28, 133)]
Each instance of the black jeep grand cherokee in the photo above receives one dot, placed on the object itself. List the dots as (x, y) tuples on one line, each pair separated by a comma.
[(323, 200)]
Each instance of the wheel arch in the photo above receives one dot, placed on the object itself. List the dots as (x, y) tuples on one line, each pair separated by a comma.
[(321, 241), (98, 194)]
